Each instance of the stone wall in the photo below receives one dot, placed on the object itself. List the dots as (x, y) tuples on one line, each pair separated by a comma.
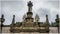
[(52, 29), (59, 25), (5, 29), (0, 27)]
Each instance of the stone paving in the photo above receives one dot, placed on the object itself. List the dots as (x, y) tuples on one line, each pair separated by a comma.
[(59, 29), (31, 33)]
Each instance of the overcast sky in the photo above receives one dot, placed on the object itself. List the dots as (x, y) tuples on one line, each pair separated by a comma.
[(19, 8)]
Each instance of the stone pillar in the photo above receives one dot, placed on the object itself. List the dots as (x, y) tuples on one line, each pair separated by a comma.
[(13, 20), (59, 25), (12, 24), (47, 23), (2, 20), (57, 21), (0, 25), (29, 13)]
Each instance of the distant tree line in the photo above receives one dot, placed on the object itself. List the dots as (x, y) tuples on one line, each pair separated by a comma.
[(53, 24)]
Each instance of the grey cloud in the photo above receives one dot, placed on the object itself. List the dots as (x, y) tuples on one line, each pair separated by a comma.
[(0, 9), (10, 8), (31, 0), (42, 13), (54, 3), (19, 8)]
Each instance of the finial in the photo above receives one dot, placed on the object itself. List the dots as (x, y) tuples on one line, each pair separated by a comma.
[(13, 20), (13, 15), (2, 16), (57, 16), (30, 4), (24, 16), (37, 17), (46, 15)]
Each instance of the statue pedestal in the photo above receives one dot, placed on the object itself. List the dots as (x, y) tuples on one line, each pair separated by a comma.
[(29, 29)]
